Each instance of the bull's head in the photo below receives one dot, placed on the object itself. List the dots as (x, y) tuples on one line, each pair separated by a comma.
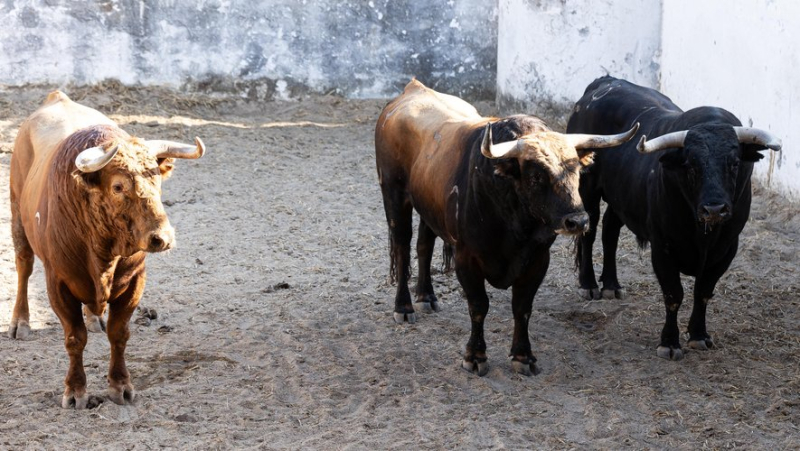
[(546, 170), (123, 179), (704, 163)]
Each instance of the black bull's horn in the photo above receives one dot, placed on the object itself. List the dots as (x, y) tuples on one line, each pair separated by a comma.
[(510, 149), (95, 158), (745, 135)]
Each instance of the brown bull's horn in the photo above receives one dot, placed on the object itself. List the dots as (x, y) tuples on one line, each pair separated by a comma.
[(750, 135), (668, 141), (507, 149), (581, 141), (94, 158), (171, 149)]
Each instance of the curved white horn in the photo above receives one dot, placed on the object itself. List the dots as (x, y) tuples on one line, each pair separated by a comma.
[(582, 141), (668, 141), (94, 158), (172, 149), (750, 135), (507, 149)]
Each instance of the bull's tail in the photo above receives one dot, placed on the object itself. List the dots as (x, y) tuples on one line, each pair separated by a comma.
[(447, 257), (392, 264)]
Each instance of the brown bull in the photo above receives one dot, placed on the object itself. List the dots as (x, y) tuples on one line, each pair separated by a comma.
[(496, 190), (86, 199)]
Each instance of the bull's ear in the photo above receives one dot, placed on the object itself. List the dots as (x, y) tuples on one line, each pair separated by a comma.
[(165, 166), (673, 159), (586, 158), (87, 180), (506, 167), (752, 152)]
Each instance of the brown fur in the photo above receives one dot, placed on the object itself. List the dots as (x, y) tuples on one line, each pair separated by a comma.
[(90, 238)]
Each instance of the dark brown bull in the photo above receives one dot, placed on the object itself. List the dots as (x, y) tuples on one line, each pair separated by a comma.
[(86, 199), (496, 190)]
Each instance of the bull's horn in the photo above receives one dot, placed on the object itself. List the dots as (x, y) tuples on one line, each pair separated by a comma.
[(581, 141), (171, 149), (750, 135), (500, 150), (94, 158), (668, 141)]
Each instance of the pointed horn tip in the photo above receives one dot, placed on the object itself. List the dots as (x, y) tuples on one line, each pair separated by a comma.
[(201, 147), (634, 130), (641, 146)]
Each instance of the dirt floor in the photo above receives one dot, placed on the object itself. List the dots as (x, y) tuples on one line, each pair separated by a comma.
[(275, 330)]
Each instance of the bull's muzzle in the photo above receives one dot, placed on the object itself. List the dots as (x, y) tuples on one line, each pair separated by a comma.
[(714, 214), (161, 240), (574, 224)]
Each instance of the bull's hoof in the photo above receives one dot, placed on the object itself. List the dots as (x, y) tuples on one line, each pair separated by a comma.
[(589, 293), (95, 324), (19, 331), (400, 318), (476, 367), (426, 307), (526, 369), (73, 399), (611, 293), (119, 395), (669, 353), (702, 344)]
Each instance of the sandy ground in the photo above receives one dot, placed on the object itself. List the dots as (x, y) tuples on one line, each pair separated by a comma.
[(280, 334)]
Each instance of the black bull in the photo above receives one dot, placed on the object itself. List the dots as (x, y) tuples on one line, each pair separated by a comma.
[(688, 195)]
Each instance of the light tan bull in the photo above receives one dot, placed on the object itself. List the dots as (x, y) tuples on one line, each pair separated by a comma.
[(86, 199)]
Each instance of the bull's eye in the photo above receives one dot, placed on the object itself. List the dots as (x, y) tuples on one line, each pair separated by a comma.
[(117, 188)]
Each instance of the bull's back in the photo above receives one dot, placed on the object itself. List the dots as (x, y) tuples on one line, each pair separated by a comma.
[(621, 174), (35, 146), (420, 139)]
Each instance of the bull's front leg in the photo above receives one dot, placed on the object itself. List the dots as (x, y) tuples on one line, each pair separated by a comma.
[(120, 388), (669, 278), (473, 283), (68, 310), (703, 292), (583, 258), (523, 292)]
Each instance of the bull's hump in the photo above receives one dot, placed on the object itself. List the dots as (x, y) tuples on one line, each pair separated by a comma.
[(56, 96)]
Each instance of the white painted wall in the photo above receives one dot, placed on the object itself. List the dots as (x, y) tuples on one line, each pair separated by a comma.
[(259, 48), (550, 50), (742, 56)]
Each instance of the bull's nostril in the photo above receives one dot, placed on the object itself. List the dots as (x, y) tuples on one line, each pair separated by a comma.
[(156, 242), (716, 210), (570, 224)]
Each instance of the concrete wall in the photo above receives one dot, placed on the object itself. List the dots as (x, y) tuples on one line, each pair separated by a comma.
[(550, 50), (742, 56), (261, 48)]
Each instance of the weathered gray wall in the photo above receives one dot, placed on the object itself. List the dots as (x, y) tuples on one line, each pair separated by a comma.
[(260, 48)]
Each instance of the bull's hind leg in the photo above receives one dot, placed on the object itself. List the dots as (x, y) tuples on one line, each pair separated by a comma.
[(426, 300), (612, 226), (398, 215), (94, 323), (20, 318), (120, 311), (583, 257)]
